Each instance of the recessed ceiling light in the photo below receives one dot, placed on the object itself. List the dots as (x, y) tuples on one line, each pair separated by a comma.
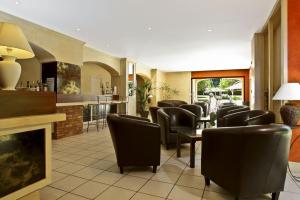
[(78, 29), (209, 30), (17, 2), (149, 28), (107, 45)]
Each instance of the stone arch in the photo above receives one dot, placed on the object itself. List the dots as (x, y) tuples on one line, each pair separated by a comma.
[(97, 76)]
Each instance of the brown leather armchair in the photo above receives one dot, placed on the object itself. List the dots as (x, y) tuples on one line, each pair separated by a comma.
[(153, 112), (136, 141), (170, 103), (228, 110), (246, 161), (249, 117), (171, 118), (205, 107)]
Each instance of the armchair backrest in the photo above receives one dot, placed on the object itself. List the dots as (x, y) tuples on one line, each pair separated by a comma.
[(196, 109), (228, 110), (170, 103)]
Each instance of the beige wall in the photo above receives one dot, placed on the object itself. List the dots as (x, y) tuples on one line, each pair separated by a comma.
[(143, 70), (180, 81), (91, 77), (31, 70)]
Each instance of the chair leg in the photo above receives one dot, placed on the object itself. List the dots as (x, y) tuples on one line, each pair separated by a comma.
[(207, 181), (275, 195), (167, 147), (121, 170), (154, 169)]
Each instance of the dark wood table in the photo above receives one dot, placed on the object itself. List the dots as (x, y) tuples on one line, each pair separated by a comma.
[(204, 120), (193, 135)]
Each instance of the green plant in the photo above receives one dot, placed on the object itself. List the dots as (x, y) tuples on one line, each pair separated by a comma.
[(144, 92), (168, 92)]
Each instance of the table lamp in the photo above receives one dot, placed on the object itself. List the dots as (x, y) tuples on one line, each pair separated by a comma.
[(290, 113), (13, 45)]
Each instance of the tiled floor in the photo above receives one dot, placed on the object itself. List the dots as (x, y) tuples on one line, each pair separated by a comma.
[(84, 167)]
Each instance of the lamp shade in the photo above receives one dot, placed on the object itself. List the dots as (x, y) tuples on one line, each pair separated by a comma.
[(13, 42), (288, 91)]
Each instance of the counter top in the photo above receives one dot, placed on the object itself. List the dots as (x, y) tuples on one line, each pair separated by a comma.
[(84, 103), (31, 120)]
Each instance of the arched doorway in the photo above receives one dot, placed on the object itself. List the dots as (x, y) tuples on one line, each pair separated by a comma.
[(98, 78)]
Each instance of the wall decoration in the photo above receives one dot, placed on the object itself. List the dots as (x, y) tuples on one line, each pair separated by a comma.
[(68, 78), (22, 160)]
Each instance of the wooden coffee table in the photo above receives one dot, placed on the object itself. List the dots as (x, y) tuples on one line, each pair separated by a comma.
[(193, 135)]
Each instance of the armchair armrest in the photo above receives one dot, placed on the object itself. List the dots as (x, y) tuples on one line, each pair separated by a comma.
[(134, 117)]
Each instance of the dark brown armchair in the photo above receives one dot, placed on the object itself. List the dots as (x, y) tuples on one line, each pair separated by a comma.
[(170, 119), (136, 141), (249, 117), (170, 103), (246, 161)]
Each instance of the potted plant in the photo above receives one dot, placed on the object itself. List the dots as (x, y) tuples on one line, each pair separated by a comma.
[(144, 93)]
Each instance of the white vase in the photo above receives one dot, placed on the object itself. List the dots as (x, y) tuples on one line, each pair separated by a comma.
[(10, 72)]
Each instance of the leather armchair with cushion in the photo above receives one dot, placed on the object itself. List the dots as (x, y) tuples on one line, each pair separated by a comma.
[(153, 112), (205, 107), (170, 103), (171, 118), (136, 141), (228, 110), (246, 161), (249, 117)]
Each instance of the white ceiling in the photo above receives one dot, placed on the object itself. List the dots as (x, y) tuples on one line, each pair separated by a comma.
[(179, 39)]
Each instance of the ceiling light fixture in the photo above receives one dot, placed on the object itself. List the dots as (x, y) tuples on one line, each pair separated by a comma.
[(149, 28), (17, 2), (78, 29), (209, 30)]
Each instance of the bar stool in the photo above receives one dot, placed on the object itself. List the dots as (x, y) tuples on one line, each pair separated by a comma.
[(96, 116)]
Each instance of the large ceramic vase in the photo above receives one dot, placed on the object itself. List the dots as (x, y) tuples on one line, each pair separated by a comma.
[(10, 72), (290, 114)]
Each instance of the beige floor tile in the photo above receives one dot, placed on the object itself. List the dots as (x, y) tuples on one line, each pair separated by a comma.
[(171, 167), (131, 183), (58, 163), (193, 171), (70, 158), (289, 196), (86, 161), (165, 176), (70, 196), (142, 172), (216, 196), (140, 196), (49, 193), (70, 168), (90, 189), (191, 181), (69, 183), (111, 157), (185, 193), (215, 188), (115, 193), (103, 164), (99, 155), (108, 177), (57, 176), (88, 173), (157, 188)]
